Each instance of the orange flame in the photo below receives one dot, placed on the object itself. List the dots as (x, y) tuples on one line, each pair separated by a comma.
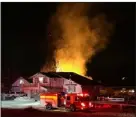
[(77, 38)]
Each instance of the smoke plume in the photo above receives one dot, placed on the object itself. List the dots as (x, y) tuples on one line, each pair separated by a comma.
[(76, 38)]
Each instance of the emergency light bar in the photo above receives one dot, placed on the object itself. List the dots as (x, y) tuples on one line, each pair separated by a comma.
[(81, 94)]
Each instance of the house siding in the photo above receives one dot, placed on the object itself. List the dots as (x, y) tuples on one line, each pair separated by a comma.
[(69, 83), (63, 83), (54, 85), (17, 87)]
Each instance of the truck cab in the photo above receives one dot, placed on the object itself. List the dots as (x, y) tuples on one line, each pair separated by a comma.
[(76, 101)]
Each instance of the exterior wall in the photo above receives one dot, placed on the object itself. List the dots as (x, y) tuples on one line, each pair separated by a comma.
[(47, 84), (17, 82), (17, 86), (71, 84), (79, 88), (16, 89), (57, 84), (36, 79), (44, 83), (50, 82)]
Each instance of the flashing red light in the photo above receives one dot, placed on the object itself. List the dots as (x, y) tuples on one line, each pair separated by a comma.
[(80, 94), (82, 104), (106, 106), (90, 104), (83, 94), (86, 94)]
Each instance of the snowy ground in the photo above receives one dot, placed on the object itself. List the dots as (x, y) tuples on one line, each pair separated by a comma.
[(22, 102), (10, 108)]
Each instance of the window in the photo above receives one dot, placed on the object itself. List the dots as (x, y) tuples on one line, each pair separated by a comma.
[(68, 97), (21, 81), (71, 88), (36, 80), (45, 80), (41, 79)]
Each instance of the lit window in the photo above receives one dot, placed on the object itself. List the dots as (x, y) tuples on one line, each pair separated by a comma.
[(41, 79), (132, 90), (21, 81)]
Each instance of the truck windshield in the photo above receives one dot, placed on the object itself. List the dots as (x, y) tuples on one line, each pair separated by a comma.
[(86, 98)]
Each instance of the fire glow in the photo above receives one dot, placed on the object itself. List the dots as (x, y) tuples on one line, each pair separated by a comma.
[(77, 38)]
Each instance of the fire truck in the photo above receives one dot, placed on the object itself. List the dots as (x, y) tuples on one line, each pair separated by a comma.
[(71, 101)]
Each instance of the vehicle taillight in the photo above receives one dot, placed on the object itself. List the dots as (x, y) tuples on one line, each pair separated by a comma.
[(90, 104), (106, 106), (80, 94), (64, 102), (82, 104), (83, 94), (86, 94)]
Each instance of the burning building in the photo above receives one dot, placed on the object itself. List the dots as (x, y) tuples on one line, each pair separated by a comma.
[(74, 38), (68, 82)]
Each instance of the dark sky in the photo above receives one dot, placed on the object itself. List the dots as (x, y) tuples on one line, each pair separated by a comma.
[(24, 41)]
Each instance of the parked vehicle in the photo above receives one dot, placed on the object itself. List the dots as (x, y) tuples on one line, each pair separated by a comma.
[(17, 94), (71, 101), (13, 95)]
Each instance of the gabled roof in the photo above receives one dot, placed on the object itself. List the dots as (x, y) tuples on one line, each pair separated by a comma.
[(71, 75), (29, 80), (35, 75), (16, 83)]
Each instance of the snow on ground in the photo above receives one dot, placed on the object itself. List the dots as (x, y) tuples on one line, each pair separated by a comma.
[(24, 99), (20, 102), (16, 108)]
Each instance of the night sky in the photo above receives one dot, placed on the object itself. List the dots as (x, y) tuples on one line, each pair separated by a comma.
[(25, 33)]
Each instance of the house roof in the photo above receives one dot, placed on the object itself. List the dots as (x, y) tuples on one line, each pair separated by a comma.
[(82, 80), (35, 75), (29, 80)]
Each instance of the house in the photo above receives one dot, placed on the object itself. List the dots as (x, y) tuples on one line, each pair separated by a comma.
[(60, 82), (17, 85), (56, 82)]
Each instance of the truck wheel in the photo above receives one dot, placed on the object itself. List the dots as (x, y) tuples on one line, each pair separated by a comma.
[(72, 108), (48, 107), (67, 109)]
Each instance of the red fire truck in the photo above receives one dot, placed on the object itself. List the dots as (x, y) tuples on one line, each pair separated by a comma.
[(51, 100), (71, 101)]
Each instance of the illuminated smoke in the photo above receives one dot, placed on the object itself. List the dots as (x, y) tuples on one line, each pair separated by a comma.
[(76, 37)]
